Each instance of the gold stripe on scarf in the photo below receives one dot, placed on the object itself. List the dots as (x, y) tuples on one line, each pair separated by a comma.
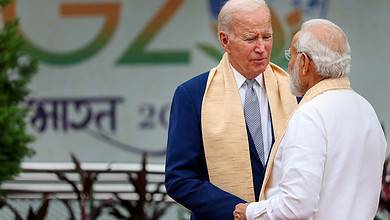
[(224, 132), (319, 88)]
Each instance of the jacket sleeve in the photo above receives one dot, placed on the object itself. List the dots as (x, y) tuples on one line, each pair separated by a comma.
[(186, 178)]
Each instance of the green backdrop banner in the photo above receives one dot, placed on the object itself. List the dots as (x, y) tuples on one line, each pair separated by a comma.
[(109, 68)]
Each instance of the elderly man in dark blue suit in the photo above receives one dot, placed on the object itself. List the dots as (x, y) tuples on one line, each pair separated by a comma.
[(224, 122)]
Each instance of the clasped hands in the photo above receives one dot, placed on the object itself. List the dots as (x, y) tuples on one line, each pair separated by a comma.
[(239, 212)]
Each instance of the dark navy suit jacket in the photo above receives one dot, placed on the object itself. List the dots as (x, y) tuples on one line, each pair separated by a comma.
[(186, 176)]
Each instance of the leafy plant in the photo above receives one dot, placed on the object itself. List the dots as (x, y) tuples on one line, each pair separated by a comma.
[(4, 203), (16, 71), (84, 193), (136, 210), (39, 214)]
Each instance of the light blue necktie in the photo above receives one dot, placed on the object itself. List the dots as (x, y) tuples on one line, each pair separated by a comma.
[(253, 117)]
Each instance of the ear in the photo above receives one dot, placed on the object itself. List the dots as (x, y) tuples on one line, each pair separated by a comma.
[(304, 64), (223, 40)]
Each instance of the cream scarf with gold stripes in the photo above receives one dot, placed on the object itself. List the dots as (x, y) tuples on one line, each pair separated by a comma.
[(319, 88), (224, 132)]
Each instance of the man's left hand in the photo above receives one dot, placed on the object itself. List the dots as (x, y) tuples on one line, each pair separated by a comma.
[(240, 211)]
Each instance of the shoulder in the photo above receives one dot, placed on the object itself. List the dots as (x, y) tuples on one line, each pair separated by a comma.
[(195, 85), (331, 103), (189, 95), (196, 81)]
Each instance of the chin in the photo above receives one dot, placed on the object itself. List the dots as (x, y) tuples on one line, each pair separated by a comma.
[(260, 70), (261, 67)]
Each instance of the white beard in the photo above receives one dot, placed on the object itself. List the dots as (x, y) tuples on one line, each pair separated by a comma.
[(296, 86)]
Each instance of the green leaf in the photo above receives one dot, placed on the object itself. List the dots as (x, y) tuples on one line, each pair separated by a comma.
[(16, 70)]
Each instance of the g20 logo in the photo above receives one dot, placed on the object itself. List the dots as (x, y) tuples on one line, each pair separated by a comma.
[(135, 53), (286, 18)]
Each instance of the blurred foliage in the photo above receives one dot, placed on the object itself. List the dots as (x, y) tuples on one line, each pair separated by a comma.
[(39, 214), (84, 192), (16, 71), (146, 207), (138, 209), (4, 2)]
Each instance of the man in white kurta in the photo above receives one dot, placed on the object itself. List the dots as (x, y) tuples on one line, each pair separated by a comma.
[(329, 163)]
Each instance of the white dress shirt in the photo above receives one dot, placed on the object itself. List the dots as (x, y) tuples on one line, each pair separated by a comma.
[(329, 164), (259, 87)]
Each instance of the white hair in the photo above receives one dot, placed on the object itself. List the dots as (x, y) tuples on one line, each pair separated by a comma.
[(231, 7), (330, 52)]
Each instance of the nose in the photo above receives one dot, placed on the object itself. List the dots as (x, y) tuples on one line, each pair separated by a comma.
[(259, 47)]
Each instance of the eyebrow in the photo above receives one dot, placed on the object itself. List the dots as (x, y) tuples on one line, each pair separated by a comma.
[(249, 34)]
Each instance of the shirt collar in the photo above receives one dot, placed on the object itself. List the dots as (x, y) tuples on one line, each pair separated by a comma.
[(240, 79)]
